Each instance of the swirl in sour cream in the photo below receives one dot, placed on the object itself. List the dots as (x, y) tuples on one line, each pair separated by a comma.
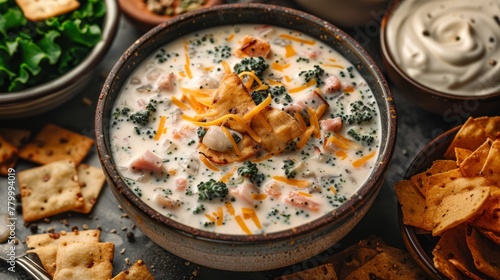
[(449, 46)]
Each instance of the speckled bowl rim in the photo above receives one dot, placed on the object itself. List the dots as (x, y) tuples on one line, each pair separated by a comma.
[(414, 242), (336, 217), (110, 26), (389, 59)]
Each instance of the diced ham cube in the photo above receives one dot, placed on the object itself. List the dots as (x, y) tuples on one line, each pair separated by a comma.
[(244, 192), (273, 189), (311, 99), (166, 81), (148, 161), (299, 201), (334, 124), (253, 47), (332, 84), (181, 184)]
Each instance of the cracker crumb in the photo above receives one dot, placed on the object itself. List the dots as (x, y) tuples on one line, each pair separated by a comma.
[(122, 251), (85, 226), (87, 101), (124, 215), (124, 228), (50, 229), (127, 261), (113, 231), (46, 220)]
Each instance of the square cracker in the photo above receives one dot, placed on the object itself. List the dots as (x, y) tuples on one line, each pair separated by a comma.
[(45, 245), (438, 166), (84, 261), (490, 218), (8, 156), (137, 271), (91, 180), (55, 143), (17, 137), (49, 190), (472, 165), (36, 10), (485, 253), (490, 124)]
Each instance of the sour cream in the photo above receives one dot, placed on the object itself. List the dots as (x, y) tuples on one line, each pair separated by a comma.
[(452, 46), (300, 184)]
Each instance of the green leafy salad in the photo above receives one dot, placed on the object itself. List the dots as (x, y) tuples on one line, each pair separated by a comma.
[(32, 53)]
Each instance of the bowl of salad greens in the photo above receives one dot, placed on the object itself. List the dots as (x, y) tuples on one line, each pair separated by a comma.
[(47, 62)]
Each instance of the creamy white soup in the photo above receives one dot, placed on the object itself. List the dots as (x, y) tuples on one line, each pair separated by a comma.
[(245, 129)]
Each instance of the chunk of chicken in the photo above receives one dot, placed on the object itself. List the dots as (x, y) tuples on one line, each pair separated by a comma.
[(147, 161)]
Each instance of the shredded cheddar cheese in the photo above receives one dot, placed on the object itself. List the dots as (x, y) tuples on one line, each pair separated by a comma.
[(220, 215), (305, 194), (228, 175), (293, 182), (248, 116), (305, 137), (363, 160), (231, 139), (301, 121), (313, 119), (279, 67), (242, 224), (297, 39), (187, 66), (230, 208), (160, 130), (263, 121), (259, 196), (226, 67), (208, 163), (252, 74), (179, 103), (289, 51), (311, 83)]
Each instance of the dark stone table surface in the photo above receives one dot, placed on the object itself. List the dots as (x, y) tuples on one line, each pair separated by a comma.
[(415, 129)]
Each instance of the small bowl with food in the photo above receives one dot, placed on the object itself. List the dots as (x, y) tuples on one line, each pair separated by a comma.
[(443, 55), (449, 203), (245, 143), (51, 51), (346, 13), (146, 14)]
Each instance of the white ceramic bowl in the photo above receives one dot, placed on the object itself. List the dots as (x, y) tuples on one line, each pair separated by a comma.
[(246, 252), (49, 95)]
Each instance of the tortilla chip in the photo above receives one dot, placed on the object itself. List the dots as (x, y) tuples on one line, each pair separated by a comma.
[(490, 218), (17, 137), (491, 168), (137, 271), (412, 205), (441, 179), (36, 10), (485, 253), (84, 261), (490, 124), (91, 180), (438, 166), (493, 236), (284, 130), (8, 156), (45, 245), (55, 143), (451, 255), (470, 136), (247, 147), (321, 272), (472, 165), (231, 98), (49, 190), (461, 154), (459, 208)]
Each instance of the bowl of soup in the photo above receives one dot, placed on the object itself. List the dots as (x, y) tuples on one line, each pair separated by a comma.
[(243, 142), (443, 55)]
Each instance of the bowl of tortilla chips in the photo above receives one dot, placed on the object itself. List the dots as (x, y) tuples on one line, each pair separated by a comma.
[(449, 202), (50, 51)]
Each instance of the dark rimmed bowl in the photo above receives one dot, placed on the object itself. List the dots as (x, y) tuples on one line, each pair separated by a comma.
[(246, 252), (426, 98), (144, 19), (419, 245), (49, 95)]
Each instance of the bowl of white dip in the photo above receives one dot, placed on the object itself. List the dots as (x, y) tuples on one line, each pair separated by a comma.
[(244, 142), (444, 55)]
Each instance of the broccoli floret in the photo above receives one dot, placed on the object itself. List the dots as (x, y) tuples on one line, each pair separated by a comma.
[(288, 165), (366, 140), (141, 117), (199, 208), (278, 93), (316, 74), (258, 65), (250, 170), (359, 113), (212, 189)]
